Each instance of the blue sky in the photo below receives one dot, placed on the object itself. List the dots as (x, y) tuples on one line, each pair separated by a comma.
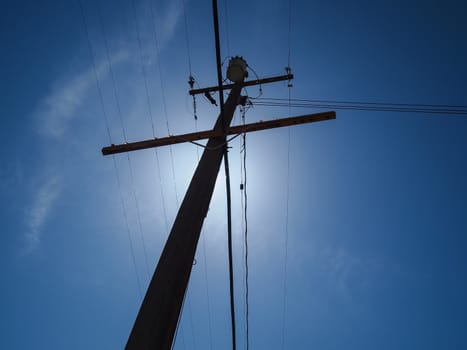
[(377, 210)]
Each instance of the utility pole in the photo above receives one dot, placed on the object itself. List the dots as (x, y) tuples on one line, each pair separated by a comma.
[(159, 313), (158, 316)]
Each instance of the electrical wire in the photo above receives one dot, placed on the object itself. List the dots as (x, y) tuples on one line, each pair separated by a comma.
[(99, 88), (286, 243), (364, 106), (138, 216), (245, 221), (172, 163), (164, 100), (206, 281), (229, 241), (284, 301), (130, 167), (226, 19), (289, 33), (187, 38), (143, 69), (112, 75), (125, 216), (96, 77), (227, 172)]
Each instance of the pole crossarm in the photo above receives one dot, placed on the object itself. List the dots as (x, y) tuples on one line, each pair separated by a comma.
[(246, 83), (233, 130)]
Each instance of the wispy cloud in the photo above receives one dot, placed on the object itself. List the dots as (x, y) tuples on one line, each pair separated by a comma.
[(167, 20), (56, 111), (38, 213), (54, 114)]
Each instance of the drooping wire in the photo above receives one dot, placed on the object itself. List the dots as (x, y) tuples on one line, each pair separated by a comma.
[(227, 172), (284, 301), (99, 88), (244, 200), (229, 241), (206, 281)]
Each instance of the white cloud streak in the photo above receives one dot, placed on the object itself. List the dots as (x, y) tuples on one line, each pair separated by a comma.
[(57, 110), (38, 213), (167, 20)]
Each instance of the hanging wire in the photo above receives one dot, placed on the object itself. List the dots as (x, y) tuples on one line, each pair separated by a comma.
[(284, 302), (289, 85), (99, 88), (244, 199)]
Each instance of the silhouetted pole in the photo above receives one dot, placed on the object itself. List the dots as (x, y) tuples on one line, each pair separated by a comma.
[(159, 313)]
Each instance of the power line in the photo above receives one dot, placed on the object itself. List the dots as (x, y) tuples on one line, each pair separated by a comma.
[(125, 216), (117, 101), (227, 172), (130, 167), (172, 163), (226, 19), (138, 216), (289, 29), (364, 106), (164, 103), (187, 38), (112, 75), (113, 158), (284, 301), (143, 70), (96, 77), (206, 281), (245, 220)]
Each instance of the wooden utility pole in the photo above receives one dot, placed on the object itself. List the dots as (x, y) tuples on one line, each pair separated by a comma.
[(159, 313), (158, 316)]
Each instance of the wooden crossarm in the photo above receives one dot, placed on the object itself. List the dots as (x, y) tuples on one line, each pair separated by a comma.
[(246, 83), (233, 130)]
